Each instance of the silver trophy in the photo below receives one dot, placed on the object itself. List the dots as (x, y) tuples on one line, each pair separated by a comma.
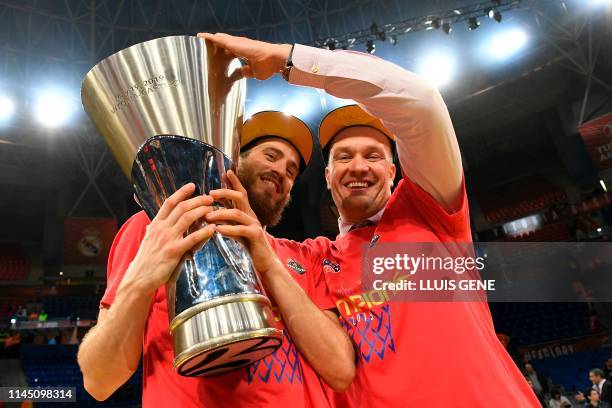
[(171, 111)]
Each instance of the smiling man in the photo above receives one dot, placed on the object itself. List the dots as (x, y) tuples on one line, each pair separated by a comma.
[(400, 345), (360, 188), (270, 161)]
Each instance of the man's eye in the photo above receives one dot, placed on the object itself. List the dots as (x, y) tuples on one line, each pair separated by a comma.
[(343, 156), (269, 156), (374, 156)]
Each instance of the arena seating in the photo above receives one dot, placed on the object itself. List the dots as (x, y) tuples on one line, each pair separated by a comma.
[(56, 366), (85, 307), (14, 265), (6, 302), (532, 323), (572, 371), (518, 199), (557, 232)]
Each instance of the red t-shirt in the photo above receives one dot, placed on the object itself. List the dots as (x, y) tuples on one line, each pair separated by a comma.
[(282, 379), (416, 354)]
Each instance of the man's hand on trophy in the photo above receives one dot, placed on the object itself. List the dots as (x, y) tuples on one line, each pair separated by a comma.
[(263, 59), (238, 224), (236, 195), (166, 241)]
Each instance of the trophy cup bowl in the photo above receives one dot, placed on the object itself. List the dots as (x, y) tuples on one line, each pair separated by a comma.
[(171, 111)]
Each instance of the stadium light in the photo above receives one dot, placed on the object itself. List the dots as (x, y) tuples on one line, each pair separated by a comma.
[(438, 67), (7, 108), (600, 2), (53, 108), (507, 43)]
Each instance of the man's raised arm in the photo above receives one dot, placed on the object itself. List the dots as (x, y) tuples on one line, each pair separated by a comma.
[(409, 106)]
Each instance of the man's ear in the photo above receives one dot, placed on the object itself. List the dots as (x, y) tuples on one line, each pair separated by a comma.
[(392, 171), (328, 176)]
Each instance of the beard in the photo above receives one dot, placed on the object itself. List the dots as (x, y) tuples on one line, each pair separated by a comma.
[(268, 211)]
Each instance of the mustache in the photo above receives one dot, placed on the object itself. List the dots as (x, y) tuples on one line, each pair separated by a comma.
[(273, 176)]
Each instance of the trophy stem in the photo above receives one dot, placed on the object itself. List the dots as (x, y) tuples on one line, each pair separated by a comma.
[(220, 318)]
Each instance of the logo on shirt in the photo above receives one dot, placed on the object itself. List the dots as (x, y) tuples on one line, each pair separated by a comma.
[(372, 334), (361, 302), (366, 317), (296, 266), (330, 267)]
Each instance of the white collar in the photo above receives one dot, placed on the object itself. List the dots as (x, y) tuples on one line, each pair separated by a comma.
[(345, 226)]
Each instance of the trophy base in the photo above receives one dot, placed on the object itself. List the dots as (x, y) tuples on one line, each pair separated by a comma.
[(225, 336)]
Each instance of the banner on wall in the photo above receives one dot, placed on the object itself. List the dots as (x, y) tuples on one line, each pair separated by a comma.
[(88, 240), (564, 347), (597, 137)]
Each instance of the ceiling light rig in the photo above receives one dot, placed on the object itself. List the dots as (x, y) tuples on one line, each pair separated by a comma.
[(379, 34), (473, 23), (374, 29), (444, 20), (494, 14), (370, 47)]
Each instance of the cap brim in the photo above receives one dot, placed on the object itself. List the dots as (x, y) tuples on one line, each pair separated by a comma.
[(278, 124), (348, 116)]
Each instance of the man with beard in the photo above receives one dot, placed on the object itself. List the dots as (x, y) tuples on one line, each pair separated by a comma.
[(261, 154), (133, 318), (400, 344)]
